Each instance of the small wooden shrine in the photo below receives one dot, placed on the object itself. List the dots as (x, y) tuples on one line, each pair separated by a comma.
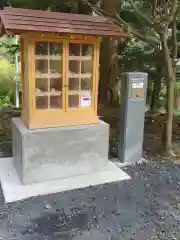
[(59, 64)]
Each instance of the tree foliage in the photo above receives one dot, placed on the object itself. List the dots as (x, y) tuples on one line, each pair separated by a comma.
[(8, 48), (157, 25), (53, 5), (7, 81)]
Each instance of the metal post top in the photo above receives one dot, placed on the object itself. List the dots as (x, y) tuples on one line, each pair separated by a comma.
[(135, 74)]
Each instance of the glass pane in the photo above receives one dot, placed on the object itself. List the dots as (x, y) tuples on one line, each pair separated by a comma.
[(73, 84), (87, 50), (55, 84), (41, 85), (74, 49), (86, 84), (41, 48), (56, 49), (73, 101), (86, 66), (49, 89), (74, 67), (42, 102), (56, 102), (55, 66), (41, 66)]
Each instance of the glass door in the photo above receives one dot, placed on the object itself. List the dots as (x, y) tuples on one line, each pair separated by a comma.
[(48, 75), (80, 76), (74, 89)]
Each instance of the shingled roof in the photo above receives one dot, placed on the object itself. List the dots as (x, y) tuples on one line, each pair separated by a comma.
[(17, 21)]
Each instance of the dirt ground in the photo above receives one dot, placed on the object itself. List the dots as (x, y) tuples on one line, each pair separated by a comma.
[(152, 132)]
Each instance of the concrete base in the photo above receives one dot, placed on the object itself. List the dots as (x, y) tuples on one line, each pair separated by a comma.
[(14, 190), (120, 164), (54, 153)]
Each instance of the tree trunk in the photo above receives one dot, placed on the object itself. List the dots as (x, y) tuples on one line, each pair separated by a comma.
[(108, 61), (169, 120), (167, 136), (170, 66), (114, 87), (3, 3), (155, 94), (157, 83), (83, 8), (104, 71)]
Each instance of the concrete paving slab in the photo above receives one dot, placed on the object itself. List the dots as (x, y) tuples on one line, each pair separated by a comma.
[(13, 189)]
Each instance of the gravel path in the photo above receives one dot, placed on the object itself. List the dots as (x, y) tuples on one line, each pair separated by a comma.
[(146, 207)]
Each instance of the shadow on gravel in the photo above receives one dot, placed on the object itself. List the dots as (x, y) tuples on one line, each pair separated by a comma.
[(146, 207), (62, 225)]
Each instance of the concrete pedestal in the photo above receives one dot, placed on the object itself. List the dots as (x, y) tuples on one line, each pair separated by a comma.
[(47, 154)]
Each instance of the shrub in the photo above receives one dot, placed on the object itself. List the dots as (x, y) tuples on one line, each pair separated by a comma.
[(7, 82)]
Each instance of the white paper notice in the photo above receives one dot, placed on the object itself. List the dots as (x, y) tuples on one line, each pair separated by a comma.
[(85, 101), (138, 85)]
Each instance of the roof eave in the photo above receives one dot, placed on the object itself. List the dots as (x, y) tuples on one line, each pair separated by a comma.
[(19, 32)]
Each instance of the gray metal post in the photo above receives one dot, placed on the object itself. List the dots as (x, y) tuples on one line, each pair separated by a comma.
[(132, 112)]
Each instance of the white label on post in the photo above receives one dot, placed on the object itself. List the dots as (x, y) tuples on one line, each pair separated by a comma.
[(138, 85), (85, 101)]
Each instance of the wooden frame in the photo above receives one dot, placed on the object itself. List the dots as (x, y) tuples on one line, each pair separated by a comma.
[(35, 118)]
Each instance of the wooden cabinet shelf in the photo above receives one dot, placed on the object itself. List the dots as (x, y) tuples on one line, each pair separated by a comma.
[(80, 92), (55, 93), (80, 58), (82, 75), (48, 75), (47, 57)]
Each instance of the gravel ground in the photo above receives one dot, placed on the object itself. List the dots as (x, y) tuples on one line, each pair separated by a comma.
[(146, 207)]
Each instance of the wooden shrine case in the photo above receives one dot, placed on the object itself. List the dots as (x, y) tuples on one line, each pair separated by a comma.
[(60, 81), (59, 64)]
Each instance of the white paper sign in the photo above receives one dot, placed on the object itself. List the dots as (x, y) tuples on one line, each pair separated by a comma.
[(85, 101), (138, 85)]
